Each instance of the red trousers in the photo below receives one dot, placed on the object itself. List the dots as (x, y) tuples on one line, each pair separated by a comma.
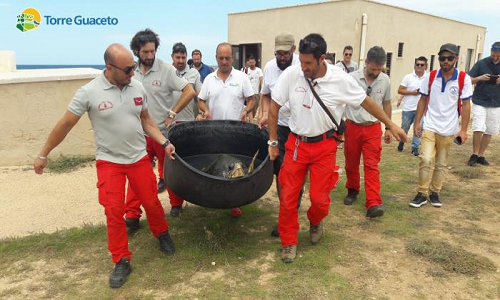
[(319, 159), (364, 140), (111, 178), (132, 203)]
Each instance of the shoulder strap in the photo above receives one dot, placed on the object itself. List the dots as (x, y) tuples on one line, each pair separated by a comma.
[(461, 83), (345, 66), (322, 104)]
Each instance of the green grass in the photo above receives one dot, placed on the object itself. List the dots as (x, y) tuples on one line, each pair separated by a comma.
[(350, 262), (65, 164)]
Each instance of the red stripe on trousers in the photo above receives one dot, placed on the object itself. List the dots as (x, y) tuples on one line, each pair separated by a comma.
[(319, 159), (365, 140), (111, 184)]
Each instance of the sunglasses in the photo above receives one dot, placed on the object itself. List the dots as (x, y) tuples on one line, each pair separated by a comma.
[(419, 65), (282, 55), (368, 91), (347, 54), (306, 46), (125, 70), (449, 58)]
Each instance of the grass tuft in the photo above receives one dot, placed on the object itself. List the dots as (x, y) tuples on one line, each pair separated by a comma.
[(65, 164)]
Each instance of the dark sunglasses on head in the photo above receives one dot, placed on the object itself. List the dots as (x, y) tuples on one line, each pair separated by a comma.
[(449, 58), (348, 54), (368, 91), (419, 65), (125, 70), (305, 46)]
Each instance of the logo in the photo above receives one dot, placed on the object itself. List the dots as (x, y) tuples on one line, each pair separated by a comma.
[(105, 105), (138, 101), (156, 83), (454, 91), (28, 20), (379, 91)]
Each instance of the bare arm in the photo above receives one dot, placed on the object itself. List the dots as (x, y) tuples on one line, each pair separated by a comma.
[(187, 95), (265, 100), (484, 77), (403, 91), (417, 130), (273, 128), (465, 120), (387, 106), (152, 130), (371, 106), (202, 107), (56, 136), (250, 104)]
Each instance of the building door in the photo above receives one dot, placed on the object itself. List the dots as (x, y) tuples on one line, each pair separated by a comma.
[(242, 51)]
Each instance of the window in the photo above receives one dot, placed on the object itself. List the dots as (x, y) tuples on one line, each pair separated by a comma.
[(388, 64), (400, 49), (469, 60), (432, 61), (458, 56)]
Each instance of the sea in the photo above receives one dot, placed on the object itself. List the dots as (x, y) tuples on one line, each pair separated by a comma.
[(31, 67)]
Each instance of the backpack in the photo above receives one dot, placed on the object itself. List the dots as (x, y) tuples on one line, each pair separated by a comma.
[(461, 82)]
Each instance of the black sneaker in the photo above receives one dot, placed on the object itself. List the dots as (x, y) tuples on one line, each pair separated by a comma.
[(120, 273), (415, 152), (133, 226), (482, 161), (275, 232), (434, 199), (161, 185), (374, 212), (400, 147), (472, 160), (419, 200), (352, 195), (166, 243), (175, 211)]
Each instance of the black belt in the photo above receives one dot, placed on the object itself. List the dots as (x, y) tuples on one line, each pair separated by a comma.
[(314, 139)]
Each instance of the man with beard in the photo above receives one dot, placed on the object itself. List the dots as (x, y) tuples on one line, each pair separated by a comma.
[(203, 69), (160, 81), (363, 132), (486, 99), (179, 54), (118, 110), (311, 144), (284, 48), (223, 94), (443, 92)]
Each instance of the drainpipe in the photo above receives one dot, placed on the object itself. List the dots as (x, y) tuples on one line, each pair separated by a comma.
[(363, 40), (477, 49)]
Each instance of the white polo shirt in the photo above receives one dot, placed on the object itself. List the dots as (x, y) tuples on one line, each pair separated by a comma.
[(254, 76), (226, 100), (441, 116), (381, 91), (336, 89), (412, 83), (271, 74), (160, 83), (115, 116), (194, 78)]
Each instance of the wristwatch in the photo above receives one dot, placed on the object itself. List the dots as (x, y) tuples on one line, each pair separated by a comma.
[(272, 143), (167, 142), (171, 114)]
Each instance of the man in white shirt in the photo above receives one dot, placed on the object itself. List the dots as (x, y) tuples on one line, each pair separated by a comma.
[(440, 106), (347, 64), (311, 144), (255, 75), (410, 89), (224, 92)]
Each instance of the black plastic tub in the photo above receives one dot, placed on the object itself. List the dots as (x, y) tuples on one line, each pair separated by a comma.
[(198, 143)]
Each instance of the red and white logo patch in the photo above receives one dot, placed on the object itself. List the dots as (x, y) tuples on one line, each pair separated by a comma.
[(138, 101), (380, 91), (105, 105), (156, 83)]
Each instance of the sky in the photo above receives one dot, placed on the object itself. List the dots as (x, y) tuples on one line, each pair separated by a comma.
[(198, 24)]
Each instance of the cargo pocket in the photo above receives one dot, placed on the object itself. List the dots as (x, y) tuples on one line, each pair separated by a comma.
[(102, 193)]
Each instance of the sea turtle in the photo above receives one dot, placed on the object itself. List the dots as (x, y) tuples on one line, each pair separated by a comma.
[(228, 166)]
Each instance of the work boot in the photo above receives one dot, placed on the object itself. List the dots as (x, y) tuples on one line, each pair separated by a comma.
[(374, 212), (315, 233), (133, 226), (482, 161), (288, 253), (472, 160), (166, 243), (161, 185), (120, 273), (236, 212), (352, 195), (175, 211)]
